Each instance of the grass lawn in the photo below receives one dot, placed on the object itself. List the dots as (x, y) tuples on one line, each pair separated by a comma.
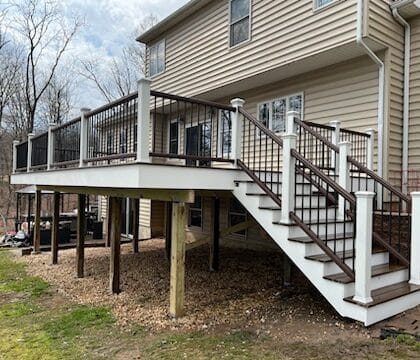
[(38, 323)]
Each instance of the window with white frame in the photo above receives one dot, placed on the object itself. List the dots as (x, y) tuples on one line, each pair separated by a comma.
[(237, 215), (322, 3), (240, 21), (109, 144), (174, 137), (272, 114), (157, 58), (225, 134), (195, 218)]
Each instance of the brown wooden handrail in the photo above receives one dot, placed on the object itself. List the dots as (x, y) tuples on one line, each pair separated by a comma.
[(112, 104), (316, 135), (377, 178), (341, 191), (192, 100), (67, 124), (263, 129)]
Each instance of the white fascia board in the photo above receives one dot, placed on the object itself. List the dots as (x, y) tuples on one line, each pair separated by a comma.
[(131, 176)]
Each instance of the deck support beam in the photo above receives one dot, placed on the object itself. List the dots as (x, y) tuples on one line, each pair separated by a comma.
[(80, 243), (114, 270), (136, 215), (37, 223), (177, 282), (215, 235), (55, 228), (168, 230)]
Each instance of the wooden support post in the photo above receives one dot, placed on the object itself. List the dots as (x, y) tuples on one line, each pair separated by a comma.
[(114, 270), (215, 234), (168, 230), (55, 229), (37, 223), (109, 217), (136, 214), (28, 219), (80, 244), (287, 270), (177, 291)]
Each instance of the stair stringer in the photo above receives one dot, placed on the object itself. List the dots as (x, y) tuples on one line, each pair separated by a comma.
[(333, 292)]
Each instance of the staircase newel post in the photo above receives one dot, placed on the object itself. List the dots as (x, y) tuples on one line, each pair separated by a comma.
[(363, 246), (370, 143), (143, 121), (15, 156), (344, 179), (415, 239), (237, 124), (289, 169), (84, 118), (50, 146), (30, 137), (335, 140)]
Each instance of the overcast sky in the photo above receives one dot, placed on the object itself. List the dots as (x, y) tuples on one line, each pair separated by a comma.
[(110, 25)]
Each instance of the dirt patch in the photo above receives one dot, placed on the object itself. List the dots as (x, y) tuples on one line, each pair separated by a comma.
[(245, 294)]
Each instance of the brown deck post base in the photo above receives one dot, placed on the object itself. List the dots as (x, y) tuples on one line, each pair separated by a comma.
[(215, 235), (136, 214), (55, 229), (37, 224), (80, 243), (177, 282), (114, 270)]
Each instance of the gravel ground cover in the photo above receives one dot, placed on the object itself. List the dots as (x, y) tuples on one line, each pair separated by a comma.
[(245, 294)]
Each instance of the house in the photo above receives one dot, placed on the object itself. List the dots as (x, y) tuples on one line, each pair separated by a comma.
[(262, 123)]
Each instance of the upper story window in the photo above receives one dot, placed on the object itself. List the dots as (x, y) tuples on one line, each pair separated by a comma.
[(174, 137), (322, 3), (240, 21), (157, 58), (225, 134), (272, 114), (123, 141)]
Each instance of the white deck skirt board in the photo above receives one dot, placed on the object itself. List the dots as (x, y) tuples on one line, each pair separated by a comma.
[(136, 175)]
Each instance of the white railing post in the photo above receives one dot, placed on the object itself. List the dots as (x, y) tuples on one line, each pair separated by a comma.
[(51, 146), (30, 137), (143, 121), (236, 129), (289, 169), (415, 239), (370, 148), (344, 179), (83, 136), (15, 145), (335, 140), (363, 246)]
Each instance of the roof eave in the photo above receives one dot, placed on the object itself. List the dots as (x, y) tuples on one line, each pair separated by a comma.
[(173, 19)]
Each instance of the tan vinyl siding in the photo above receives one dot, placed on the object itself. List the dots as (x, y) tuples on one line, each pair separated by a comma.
[(145, 216), (198, 57), (385, 30), (414, 129)]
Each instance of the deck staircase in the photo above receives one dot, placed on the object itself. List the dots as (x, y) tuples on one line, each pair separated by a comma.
[(316, 228)]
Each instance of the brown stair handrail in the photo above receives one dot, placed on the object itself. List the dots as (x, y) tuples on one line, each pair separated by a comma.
[(316, 135)]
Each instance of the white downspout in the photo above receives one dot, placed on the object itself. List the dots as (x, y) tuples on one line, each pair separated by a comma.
[(381, 90), (406, 107)]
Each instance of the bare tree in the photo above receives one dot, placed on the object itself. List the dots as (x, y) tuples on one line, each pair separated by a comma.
[(45, 35), (119, 77)]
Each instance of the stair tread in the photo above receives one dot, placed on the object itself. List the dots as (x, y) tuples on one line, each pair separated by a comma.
[(272, 208), (321, 222), (377, 270), (388, 293), (308, 240), (341, 254)]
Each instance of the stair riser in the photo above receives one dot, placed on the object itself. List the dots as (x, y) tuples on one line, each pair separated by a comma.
[(277, 189), (310, 201), (377, 259), (312, 215), (296, 231), (380, 281), (314, 249)]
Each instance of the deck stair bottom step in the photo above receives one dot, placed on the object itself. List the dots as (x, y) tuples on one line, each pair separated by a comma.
[(377, 270), (388, 293), (342, 255)]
